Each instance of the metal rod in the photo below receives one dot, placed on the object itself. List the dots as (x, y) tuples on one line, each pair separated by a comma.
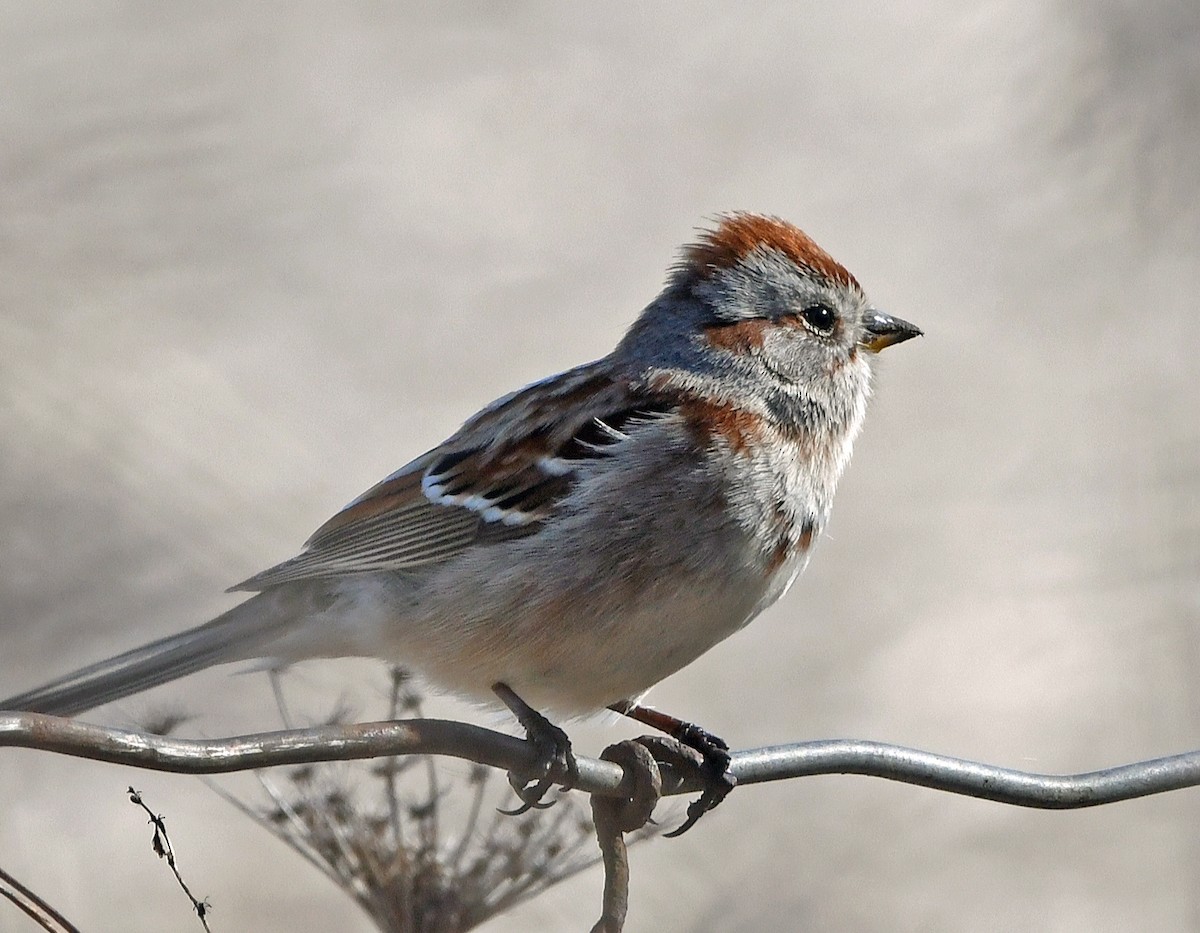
[(473, 743)]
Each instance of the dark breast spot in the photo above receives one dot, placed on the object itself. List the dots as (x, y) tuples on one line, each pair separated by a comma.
[(785, 546)]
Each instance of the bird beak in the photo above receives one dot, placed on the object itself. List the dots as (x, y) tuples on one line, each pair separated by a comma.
[(882, 330)]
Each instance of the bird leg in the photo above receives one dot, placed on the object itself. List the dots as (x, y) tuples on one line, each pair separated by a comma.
[(555, 763), (714, 754)]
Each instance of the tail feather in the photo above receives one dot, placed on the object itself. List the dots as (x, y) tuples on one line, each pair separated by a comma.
[(233, 636)]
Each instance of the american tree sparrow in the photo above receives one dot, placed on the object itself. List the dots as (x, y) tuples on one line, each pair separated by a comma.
[(580, 539)]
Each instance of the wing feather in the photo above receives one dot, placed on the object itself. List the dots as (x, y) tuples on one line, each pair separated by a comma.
[(507, 468)]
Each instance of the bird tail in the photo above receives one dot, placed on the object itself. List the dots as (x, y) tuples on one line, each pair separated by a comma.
[(234, 636)]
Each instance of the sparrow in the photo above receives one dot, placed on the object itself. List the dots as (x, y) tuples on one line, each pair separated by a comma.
[(582, 538)]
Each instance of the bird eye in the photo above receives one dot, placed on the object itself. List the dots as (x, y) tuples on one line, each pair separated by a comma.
[(820, 318)]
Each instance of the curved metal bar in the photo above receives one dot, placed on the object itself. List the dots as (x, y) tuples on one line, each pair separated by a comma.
[(484, 746), (960, 776), (289, 747)]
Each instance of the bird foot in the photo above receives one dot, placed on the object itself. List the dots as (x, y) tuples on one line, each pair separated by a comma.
[(555, 762), (699, 751), (690, 749)]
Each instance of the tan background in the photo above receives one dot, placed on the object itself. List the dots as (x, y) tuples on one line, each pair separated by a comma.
[(254, 257)]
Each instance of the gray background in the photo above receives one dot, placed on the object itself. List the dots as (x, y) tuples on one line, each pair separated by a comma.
[(254, 257)]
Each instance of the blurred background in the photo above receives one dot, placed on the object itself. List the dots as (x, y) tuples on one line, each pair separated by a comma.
[(255, 257)]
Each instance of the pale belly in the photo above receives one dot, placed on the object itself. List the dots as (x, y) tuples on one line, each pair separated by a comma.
[(581, 650)]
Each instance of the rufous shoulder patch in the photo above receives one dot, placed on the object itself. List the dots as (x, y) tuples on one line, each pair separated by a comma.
[(739, 234), (739, 429)]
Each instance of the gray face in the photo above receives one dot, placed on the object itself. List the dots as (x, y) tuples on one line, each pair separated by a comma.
[(819, 320), (800, 333), (768, 332)]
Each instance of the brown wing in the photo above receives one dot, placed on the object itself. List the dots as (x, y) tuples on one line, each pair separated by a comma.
[(501, 474)]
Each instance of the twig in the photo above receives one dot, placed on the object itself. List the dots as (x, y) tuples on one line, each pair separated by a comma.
[(288, 812), (33, 906), (162, 848), (478, 779), (398, 677), (280, 700)]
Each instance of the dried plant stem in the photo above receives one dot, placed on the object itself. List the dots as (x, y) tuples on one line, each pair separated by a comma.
[(163, 849), (478, 781), (33, 906)]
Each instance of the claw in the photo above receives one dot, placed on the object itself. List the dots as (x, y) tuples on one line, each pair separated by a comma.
[(715, 767), (708, 754), (717, 789), (555, 760), (530, 794)]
